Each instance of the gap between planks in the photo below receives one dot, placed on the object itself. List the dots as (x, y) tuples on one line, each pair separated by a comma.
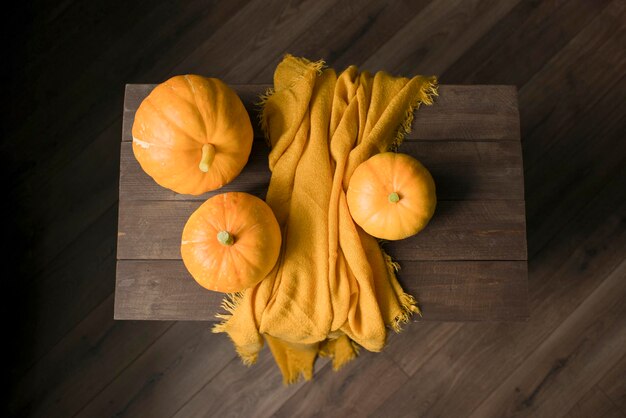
[(462, 171), (461, 230)]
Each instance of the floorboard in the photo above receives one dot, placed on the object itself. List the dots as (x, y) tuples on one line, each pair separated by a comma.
[(522, 42), (68, 63), (83, 363), (580, 351), (594, 404), (613, 385), (163, 377), (349, 393), (263, 395)]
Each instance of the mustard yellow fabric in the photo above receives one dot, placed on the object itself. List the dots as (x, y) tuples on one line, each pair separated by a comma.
[(333, 289)]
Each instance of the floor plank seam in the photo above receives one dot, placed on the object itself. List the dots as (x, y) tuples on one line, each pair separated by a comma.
[(193, 395), (601, 389), (426, 9), (60, 340), (591, 202), (41, 272), (616, 406), (36, 277), (326, 368), (599, 17), (27, 181), (123, 370), (540, 344)]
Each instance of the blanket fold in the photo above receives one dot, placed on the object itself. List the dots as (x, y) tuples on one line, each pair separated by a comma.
[(333, 288)]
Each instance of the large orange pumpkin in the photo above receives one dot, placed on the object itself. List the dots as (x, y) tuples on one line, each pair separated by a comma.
[(391, 196), (231, 242), (192, 134)]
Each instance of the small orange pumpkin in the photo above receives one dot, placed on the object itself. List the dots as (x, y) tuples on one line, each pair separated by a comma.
[(192, 134), (231, 242), (391, 196)]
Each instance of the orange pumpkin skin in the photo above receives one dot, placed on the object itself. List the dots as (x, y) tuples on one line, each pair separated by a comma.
[(192, 134), (391, 196), (231, 242)]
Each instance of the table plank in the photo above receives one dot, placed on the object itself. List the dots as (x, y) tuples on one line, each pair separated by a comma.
[(462, 171), (460, 230), (460, 112), (164, 290)]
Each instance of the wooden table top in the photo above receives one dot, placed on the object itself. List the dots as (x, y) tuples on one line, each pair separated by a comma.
[(470, 263)]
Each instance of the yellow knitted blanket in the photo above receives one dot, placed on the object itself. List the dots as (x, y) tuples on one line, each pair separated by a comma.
[(333, 288)]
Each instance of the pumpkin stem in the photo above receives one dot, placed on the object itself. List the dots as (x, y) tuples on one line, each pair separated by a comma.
[(393, 197), (208, 154), (225, 238)]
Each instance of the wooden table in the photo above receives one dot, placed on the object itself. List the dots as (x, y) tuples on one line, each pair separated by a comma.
[(468, 264)]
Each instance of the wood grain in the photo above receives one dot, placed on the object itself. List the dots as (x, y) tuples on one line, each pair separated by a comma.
[(434, 38), (571, 354), (66, 219), (613, 384), (423, 339), (61, 279), (349, 32), (502, 56), (265, 392), (460, 112), (341, 395), (164, 290), (462, 171), (83, 363), (468, 230), (239, 55), (188, 356), (497, 289), (563, 145), (594, 404), (460, 230)]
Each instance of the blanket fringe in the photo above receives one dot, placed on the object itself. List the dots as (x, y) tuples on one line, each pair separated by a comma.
[(263, 98), (408, 304), (318, 66), (298, 369), (392, 266), (246, 358), (428, 92), (229, 304), (339, 357), (409, 307)]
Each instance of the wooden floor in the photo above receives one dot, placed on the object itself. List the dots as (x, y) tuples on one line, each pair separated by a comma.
[(68, 64)]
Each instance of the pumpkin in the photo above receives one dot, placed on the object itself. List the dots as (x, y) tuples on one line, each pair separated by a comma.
[(391, 196), (231, 242), (192, 134)]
